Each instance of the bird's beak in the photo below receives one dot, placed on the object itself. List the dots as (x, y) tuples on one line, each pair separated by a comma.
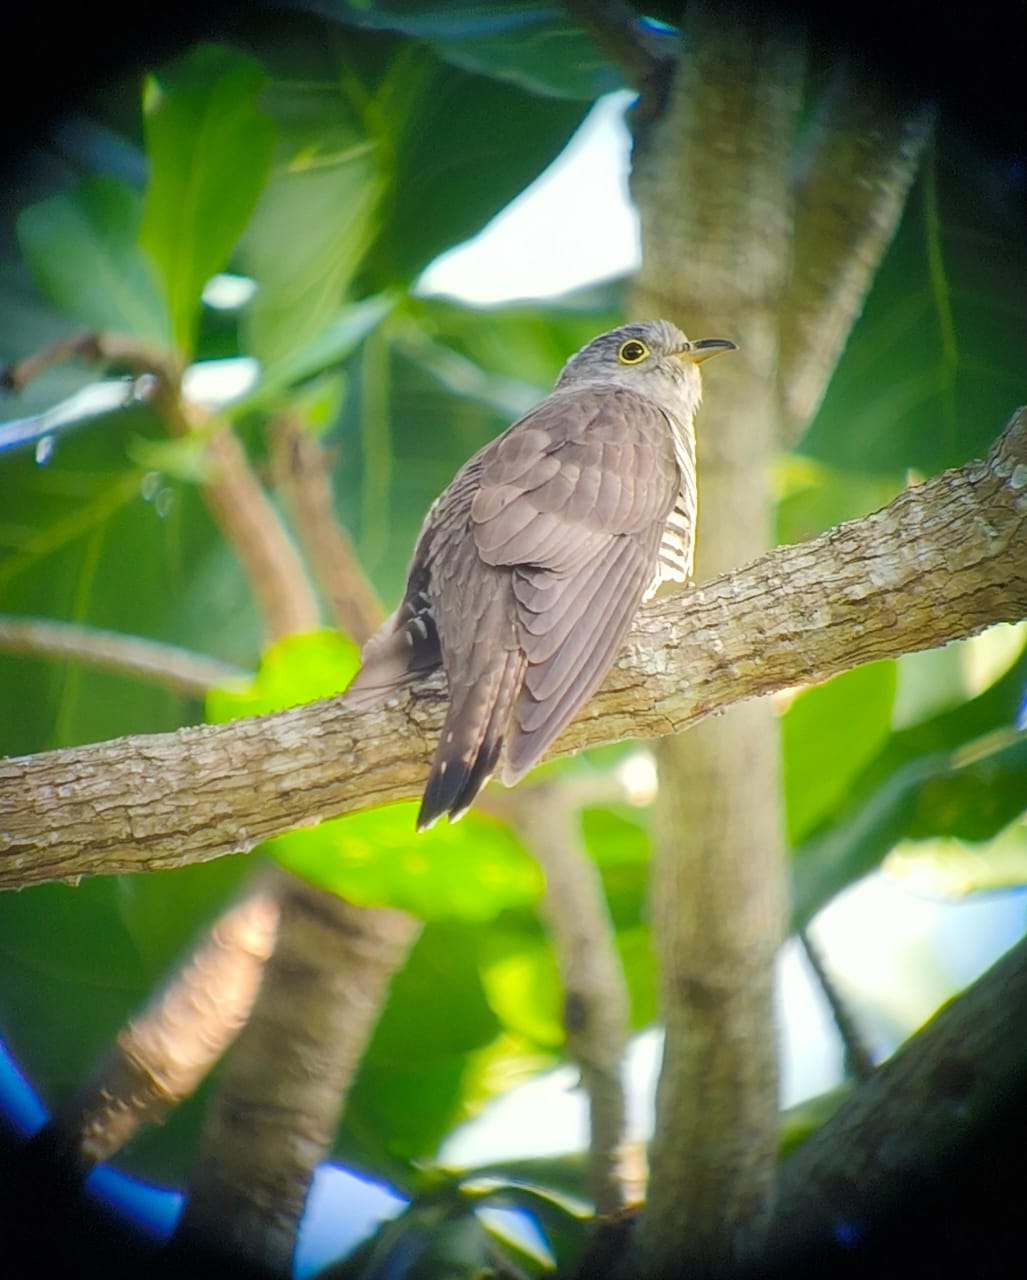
[(702, 349)]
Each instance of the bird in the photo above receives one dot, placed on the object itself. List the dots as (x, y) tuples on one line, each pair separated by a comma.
[(531, 565)]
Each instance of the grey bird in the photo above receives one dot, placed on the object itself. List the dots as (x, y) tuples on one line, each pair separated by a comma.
[(531, 565)]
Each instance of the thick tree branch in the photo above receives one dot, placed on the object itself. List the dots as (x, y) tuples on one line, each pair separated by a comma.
[(165, 1050), (287, 1077), (160, 664), (941, 562), (716, 220), (909, 1125), (940, 1121)]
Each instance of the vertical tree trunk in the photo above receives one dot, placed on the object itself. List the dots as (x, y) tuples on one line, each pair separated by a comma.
[(711, 186)]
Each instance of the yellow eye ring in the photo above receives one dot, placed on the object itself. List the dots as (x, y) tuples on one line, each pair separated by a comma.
[(632, 352)]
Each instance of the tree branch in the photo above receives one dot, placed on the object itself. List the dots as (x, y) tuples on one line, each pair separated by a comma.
[(302, 477), (851, 179), (941, 562), (615, 29), (273, 568), (322, 992), (913, 1119), (165, 1050), (596, 1016), (161, 664)]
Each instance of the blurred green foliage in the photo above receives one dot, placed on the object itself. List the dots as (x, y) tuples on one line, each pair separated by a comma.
[(329, 158)]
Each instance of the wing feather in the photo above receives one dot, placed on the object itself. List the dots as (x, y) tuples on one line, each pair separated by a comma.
[(574, 500), (567, 685)]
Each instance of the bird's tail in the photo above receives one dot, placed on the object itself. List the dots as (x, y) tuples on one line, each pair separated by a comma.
[(471, 741)]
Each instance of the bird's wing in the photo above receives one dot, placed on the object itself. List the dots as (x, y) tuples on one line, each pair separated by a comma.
[(573, 499)]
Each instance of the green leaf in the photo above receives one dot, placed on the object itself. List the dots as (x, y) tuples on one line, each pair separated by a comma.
[(995, 708), (82, 248), (971, 793), (294, 670), (437, 1054), (453, 167), (565, 1224), (534, 45), (316, 217), (522, 981), (469, 871), (828, 734), (209, 148), (330, 346), (955, 868), (934, 364)]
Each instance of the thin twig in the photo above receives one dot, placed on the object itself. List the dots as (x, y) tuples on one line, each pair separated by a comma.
[(858, 1061), (135, 354), (596, 1000), (302, 475), (253, 528), (150, 660)]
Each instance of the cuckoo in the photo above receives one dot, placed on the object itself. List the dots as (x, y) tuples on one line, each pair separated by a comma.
[(531, 565)]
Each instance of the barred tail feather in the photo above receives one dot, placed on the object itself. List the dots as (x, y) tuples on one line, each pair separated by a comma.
[(470, 743)]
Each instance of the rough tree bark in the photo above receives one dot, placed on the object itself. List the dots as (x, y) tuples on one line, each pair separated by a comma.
[(941, 562), (274, 1116), (748, 235), (711, 188), (288, 1075)]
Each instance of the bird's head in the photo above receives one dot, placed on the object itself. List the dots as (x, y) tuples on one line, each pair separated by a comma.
[(652, 357)]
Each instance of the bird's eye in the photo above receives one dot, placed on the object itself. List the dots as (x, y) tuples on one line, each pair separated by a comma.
[(632, 351)]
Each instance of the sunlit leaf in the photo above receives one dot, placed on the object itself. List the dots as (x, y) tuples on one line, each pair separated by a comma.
[(971, 793), (470, 871), (522, 982), (331, 345), (209, 147), (828, 733), (82, 247), (955, 868), (294, 670)]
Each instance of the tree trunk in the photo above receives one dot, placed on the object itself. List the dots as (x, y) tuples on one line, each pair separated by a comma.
[(712, 194)]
